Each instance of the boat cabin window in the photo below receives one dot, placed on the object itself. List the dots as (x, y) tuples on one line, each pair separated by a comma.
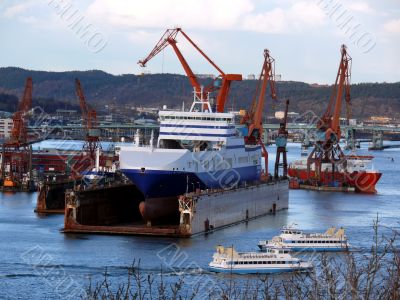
[(173, 117), (171, 144)]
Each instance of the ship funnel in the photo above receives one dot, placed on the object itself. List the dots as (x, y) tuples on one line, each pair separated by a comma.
[(330, 231), (340, 233), (220, 249)]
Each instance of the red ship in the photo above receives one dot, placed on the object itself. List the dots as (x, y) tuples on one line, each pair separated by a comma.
[(327, 167), (355, 175)]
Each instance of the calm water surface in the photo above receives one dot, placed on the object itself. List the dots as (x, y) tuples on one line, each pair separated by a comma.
[(35, 256)]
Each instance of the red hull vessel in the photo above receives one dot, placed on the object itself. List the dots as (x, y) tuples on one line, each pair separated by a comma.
[(363, 181)]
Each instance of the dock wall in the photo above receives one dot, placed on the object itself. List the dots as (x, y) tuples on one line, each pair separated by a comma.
[(212, 211)]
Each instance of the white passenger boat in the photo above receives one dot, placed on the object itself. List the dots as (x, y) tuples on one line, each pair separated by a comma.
[(296, 240), (274, 260)]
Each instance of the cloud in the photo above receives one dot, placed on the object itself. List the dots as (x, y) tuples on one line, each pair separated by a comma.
[(392, 26), (360, 7), (14, 10), (17, 9), (208, 14), (300, 16)]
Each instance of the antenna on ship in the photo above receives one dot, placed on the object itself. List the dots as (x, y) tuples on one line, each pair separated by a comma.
[(152, 139), (187, 184)]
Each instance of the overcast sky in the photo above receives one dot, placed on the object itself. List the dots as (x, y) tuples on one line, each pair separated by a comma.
[(304, 36)]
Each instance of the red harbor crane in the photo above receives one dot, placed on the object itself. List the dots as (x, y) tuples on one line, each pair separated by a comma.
[(281, 141), (221, 83), (327, 149), (92, 133), (16, 160), (253, 117)]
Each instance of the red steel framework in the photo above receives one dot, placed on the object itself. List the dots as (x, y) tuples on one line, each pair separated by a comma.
[(92, 134), (253, 117), (16, 161), (221, 83), (327, 149)]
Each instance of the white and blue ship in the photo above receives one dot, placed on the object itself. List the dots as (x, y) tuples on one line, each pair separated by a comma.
[(274, 260), (296, 240), (195, 149)]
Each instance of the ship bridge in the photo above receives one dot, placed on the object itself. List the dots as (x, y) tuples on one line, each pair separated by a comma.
[(196, 126)]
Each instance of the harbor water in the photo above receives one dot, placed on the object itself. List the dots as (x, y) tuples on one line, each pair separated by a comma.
[(35, 257)]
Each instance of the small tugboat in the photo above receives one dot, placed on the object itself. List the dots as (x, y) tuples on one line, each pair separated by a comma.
[(294, 239), (274, 260)]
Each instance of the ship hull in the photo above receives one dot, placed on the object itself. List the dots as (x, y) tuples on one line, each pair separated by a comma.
[(289, 268), (162, 183), (363, 182)]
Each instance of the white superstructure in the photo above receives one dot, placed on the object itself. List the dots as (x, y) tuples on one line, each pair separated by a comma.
[(274, 260), (295, 239), (195, 149)]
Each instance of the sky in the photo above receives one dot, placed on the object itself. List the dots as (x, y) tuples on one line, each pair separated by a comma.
[(304, 36)]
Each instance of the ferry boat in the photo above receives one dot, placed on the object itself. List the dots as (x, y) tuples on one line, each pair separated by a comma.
[(356, 175), (294, 239), (196, 149), (274, 260)]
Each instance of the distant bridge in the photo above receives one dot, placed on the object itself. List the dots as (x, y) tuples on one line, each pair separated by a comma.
[(128, 130), (292, 126), (366, 128)]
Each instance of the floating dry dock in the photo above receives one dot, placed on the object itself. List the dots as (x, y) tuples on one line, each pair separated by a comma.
[(115, 210), (51, 195)]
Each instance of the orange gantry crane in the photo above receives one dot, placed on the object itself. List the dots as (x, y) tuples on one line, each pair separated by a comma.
[(281, 141), (92, 134), (16, 160), (221, 83), (253, 117), (327, 149)]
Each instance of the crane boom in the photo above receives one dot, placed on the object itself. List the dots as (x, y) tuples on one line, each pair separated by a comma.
[(169, 35), (16, 156), (89, 118), (327, 148), (330, 121), (169, 38), (19, 130), (254, 117)]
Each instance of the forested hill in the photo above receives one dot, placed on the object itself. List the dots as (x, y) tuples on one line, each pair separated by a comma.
[(54, 90)]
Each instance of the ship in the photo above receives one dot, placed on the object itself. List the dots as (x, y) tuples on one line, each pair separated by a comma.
[(199, 153), (295, 239), (197, 149), (357, 175), (274, 260)]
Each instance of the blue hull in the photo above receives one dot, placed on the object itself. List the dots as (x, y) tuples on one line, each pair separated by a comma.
[(156, 183), (261, 271)]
